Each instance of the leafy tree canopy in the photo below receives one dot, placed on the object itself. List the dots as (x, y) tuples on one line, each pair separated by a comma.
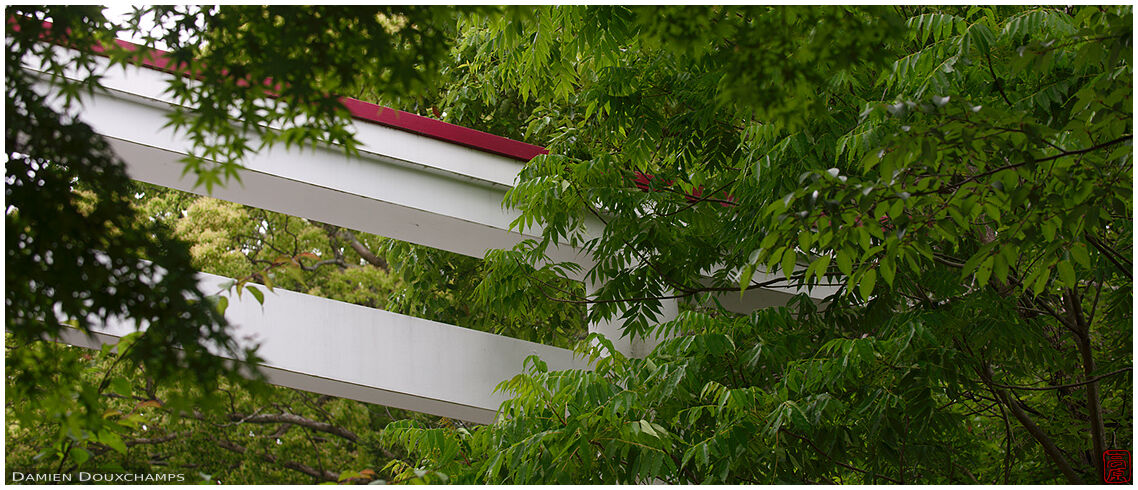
[(79, 253), (962, 174)]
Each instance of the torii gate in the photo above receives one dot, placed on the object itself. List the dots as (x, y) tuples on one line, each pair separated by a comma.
[(416, 179)]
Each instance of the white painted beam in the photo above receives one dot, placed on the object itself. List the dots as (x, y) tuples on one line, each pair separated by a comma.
[(402, 185), (350, 351)]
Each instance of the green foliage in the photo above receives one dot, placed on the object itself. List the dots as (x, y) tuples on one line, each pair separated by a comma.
[(75, 251), (73, 258), (282, 69), (75, 246), (962, 175), (491, 295), (296, 437), (270, 435)]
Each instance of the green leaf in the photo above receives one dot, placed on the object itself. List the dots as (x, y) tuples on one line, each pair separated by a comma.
[(796, 415), (1067, 273), (775, 258), (1041, 281), (992, 211), (887, 270), (1049, 228), (121, 386), (821, 265), (349, 474), (868, 281), (788, 260), (863, 238), (1000, 267), (113, 441), (984, 271), (79, 455), (646, 427), (897, 209), (957, 217), (745, 278), (257, 294), (1079, 253), (805, 238), (975, 260), (845, 264)]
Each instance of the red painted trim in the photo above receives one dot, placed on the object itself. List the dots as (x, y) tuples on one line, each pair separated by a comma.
[(440, 130), (384, 116)]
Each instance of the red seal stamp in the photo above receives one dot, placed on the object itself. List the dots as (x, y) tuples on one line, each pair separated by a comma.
[(1116, 466)]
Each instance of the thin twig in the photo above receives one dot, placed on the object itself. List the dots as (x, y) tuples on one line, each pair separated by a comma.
[(996, 80), (1060, 387), (1100, 146), (764, 284), (1104, 250)]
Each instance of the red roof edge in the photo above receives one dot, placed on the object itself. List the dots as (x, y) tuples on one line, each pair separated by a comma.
[(386, 116), (444, 131)]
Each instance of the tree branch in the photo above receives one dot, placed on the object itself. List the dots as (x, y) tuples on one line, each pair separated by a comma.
[(996, 80), (764, 284), (1024, 419), (687, 471), (1061, 387), (364, 252), (1094, 402), (697, 200), (292, 465), (334, 261), (288, 418), (155, 440), (1109, 254), (1099, 146)]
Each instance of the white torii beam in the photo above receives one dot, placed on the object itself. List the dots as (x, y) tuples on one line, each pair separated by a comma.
[(351, 351), (402, 185)]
